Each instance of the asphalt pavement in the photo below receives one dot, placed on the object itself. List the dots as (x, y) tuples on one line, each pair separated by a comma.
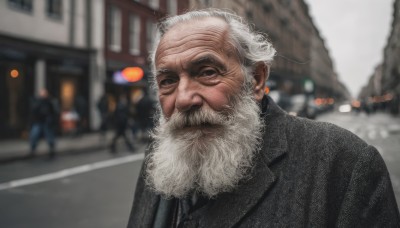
[(18, 149)]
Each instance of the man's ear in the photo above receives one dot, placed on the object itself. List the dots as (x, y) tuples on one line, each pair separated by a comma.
[(259, 78)]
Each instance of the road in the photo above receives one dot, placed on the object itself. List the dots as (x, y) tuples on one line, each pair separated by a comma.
[(96, 189), (85, 190)]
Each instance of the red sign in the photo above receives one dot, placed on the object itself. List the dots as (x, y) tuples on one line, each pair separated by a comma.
[(132, 74)]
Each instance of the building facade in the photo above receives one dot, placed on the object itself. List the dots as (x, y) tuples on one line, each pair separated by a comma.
[(374, 85), (53, 44), (383, 87), (73, 48), (129, 34), (391, 66)]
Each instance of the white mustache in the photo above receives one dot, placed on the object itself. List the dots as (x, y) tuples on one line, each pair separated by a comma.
[(198, 117)]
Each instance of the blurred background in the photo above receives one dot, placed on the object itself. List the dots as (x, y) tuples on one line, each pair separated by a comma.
[(336, 61)]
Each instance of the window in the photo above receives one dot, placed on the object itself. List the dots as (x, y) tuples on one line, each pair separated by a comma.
[(114, 29), (172, 7), (134, 35), (54, 8), (150, 33), (154, 4), (25, 5)]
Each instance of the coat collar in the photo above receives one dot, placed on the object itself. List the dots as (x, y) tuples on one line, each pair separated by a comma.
[(275, 141), (229, 208)]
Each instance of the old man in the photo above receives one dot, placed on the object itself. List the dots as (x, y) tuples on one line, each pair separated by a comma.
[(225, 155)]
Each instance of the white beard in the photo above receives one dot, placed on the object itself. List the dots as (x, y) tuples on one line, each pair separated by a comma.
[(209, 157)]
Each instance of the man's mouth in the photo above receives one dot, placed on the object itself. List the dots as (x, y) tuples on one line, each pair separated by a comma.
[(204, 127)]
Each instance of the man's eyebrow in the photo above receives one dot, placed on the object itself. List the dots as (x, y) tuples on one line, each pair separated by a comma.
[(207, 59), (163, 71)]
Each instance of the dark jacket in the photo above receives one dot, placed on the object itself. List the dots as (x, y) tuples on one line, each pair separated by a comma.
[(43, 111), (308, 174)]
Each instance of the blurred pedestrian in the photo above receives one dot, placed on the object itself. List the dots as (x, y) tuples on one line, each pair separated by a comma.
[(395, 105), (80, 107), (44, 119), (144, 113), (102, 107), (121, 118)]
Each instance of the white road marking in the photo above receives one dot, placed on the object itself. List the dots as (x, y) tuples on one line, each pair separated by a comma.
[(71, 171)]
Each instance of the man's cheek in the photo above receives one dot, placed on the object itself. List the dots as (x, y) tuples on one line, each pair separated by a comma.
[(167, 106)]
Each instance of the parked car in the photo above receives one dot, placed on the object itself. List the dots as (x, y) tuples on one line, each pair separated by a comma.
[(281, 98), (303, 106), (297, 105)]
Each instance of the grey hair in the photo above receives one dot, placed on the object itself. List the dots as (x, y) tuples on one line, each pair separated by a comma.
[(252, 47)]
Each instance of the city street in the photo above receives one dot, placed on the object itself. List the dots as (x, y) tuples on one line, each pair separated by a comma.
[(92, 189), (95, 189)]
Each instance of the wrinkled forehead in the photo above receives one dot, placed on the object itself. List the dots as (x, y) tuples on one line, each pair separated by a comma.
[(202, 31)]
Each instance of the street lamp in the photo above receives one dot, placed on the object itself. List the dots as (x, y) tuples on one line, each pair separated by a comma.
[(14, 73)]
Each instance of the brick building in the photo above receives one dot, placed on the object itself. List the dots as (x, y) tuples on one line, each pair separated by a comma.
[(50, 44), (129, 32)]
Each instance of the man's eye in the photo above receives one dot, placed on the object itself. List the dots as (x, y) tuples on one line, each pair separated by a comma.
[(208, 72), (167, 81)]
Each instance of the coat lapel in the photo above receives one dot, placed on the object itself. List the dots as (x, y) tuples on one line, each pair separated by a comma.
[(229, 208), (145, 204), (144, 209)]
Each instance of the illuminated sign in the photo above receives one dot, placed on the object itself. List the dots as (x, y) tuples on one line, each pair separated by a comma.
[(132, 74), (128, 75)]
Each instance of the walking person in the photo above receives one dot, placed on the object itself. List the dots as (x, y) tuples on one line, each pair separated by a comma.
[(102, 106), (144, 113), (80, 106), (121, 118), (44, 116)]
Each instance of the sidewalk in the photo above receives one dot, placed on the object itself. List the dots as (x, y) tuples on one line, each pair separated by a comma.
[(12, 150)]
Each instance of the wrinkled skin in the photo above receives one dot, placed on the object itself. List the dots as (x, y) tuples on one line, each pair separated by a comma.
[(197, 67)]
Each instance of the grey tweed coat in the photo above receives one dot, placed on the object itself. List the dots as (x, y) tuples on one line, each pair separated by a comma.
[(308, 174)]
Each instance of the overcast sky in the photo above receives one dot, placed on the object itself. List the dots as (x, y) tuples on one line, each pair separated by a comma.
[(355, 32)]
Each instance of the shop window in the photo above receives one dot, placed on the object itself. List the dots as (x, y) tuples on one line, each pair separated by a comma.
[(114, 29), (172, 7), (134, 34), (150, 34), (54, 8), (24, 5), (67, 94)]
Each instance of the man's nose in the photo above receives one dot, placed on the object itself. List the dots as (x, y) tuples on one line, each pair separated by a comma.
[(188, 95)]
